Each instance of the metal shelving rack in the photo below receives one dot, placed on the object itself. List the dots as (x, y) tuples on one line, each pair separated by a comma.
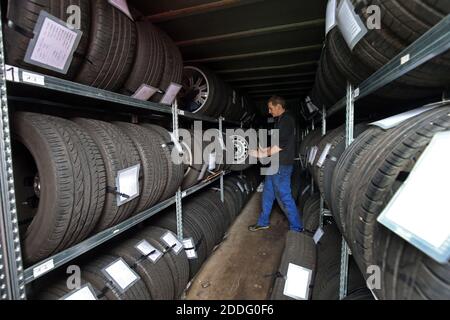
[(13, 278), (430, 45)]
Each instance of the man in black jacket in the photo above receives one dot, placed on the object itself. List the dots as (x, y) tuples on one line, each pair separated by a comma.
[(279, 183)]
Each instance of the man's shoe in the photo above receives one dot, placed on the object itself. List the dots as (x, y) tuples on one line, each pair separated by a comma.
[(257, 228)]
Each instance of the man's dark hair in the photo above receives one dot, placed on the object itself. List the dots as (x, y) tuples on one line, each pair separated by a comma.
[(277, 100)]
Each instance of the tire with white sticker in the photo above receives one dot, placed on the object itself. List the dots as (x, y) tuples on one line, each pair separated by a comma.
[(111, 50), (23, 15), (60, 183)]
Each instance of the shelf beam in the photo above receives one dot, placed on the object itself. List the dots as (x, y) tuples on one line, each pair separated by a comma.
[(430, 45)]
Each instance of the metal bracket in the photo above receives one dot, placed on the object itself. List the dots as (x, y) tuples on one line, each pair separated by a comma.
[(12, 285)]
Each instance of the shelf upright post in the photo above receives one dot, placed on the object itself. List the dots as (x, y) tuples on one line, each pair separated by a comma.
[(322, 200), (178, 195), (222, 196), (349, 126), (312, 178), (12, 284)]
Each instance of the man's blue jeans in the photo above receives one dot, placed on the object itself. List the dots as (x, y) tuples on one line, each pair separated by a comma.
[(279, 186)]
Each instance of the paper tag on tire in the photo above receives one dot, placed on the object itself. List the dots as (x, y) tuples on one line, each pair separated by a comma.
[(144, 92), (318, 235), (331, 16), (171, 241), (122, 5), (189, 247), (85, 293), (127, 183), (121, 274), (324, 155), (53, 45), (298, 280), (350, 24), (148, 250)]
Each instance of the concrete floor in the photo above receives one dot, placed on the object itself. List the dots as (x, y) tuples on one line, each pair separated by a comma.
[(239, 268)]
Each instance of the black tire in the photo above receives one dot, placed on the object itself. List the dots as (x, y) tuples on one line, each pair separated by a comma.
[(175, 172), (111, 50), (156, 276), (327, 279), (149, 63), (342, 176), (24, 15), (71, 180), (311, 214), (300, 249), (118, 153), (151, 162), (381, 173), (92, 273), (385, 169), (173, 66), (178, 264)]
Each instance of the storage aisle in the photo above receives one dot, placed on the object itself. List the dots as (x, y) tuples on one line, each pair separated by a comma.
[(239, 268)]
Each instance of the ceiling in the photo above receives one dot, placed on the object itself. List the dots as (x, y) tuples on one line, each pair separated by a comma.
[(262, 47)]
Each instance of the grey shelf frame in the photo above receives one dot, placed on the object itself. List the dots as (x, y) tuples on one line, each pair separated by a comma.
[(15, 75), (91, 243)]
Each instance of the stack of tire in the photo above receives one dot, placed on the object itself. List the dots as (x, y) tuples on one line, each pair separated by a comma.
[(205, 220), (205, 93), (115, 53), (365, 177), (66, 176), (402, 24)]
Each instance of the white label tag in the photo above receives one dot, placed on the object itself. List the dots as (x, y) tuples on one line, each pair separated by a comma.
[(144, 92), (183, 194), (171, 93), (260, 187), (297, 283), (123, 276), (240, 187), (318, 235), (190, 248), (53, 45), (33, 78), (306, 189), (181, 112), (350, 24), (324, 155), (172, 241), (122, 5), (12, 73), (356, 93), (127, 183), (212, 162), (394, 121), (331, 16), (405, 59), (311, 107), (313, 154), (148, 250), (85, 293), (43, 268), (419, 211)]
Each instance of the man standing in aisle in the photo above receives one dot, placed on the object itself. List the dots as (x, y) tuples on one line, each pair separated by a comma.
[(279, 184)]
